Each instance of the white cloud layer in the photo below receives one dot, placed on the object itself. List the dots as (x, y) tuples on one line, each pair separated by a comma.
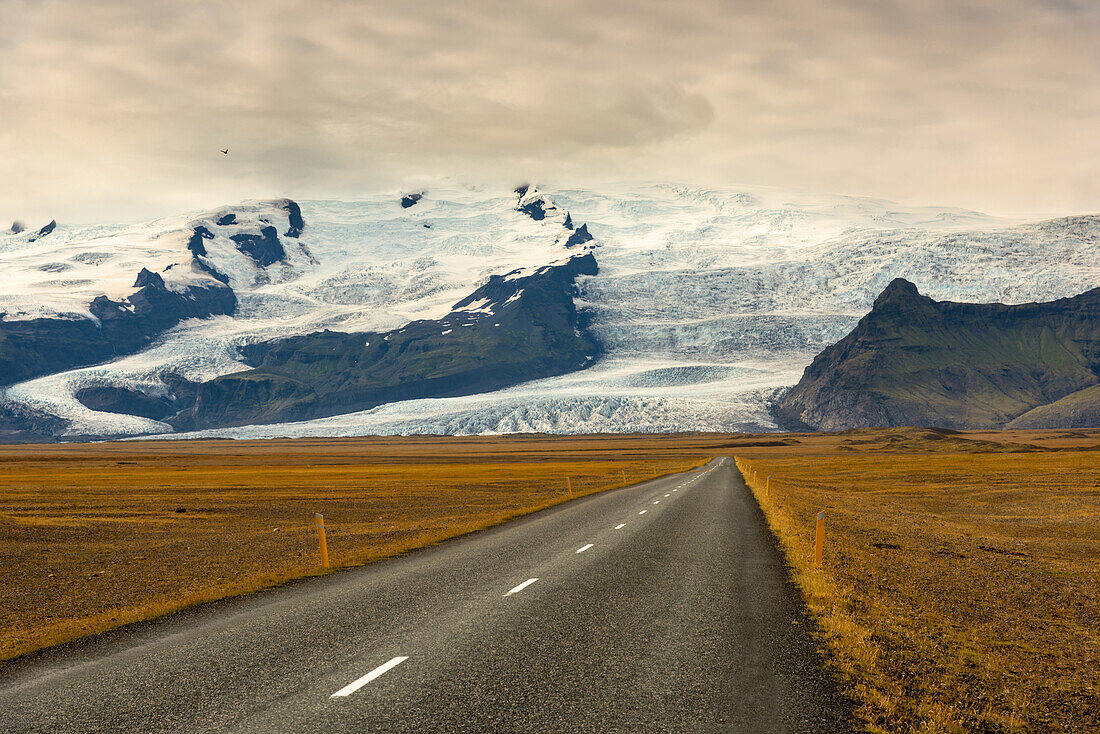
[(117, 109)]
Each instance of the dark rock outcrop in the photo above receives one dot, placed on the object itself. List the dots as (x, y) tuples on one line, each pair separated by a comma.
[(411, 199), (198, 251), (23, 424), (534, 204), (34, 347), (579, 236), (196, 244), (915, 361), (517, 327), (113, 399), (44, 231), (535, 208), (264, 249), (294, 218), (16, 227), (226, 219)]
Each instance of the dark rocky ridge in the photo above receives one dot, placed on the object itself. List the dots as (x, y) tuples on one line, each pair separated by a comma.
[(411, 199), (579, 236), (44, 231), (178, 394), (513, 329), (915, 361), (116, 399), (34, 347)]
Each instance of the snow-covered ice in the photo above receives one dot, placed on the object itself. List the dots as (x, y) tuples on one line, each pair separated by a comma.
[(708, 301)]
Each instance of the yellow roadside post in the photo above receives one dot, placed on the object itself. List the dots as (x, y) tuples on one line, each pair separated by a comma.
[(569, 485), (819, 545), (623, 472), (768, 488), (321, 538)]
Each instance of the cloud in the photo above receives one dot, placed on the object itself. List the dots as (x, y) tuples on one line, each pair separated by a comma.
[(117, 109)]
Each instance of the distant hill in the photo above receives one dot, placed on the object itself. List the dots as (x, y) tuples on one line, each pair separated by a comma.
[(916, 361)]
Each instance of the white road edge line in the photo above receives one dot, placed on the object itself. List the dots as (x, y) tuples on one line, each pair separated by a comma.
[(351, 688), (620, 526), (521, 587), (584, 547)]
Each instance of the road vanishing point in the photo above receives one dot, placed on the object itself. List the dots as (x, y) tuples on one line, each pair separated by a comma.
[(660, 607)]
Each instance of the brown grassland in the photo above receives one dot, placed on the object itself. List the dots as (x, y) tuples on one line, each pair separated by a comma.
[(95, 536), (960, 590)]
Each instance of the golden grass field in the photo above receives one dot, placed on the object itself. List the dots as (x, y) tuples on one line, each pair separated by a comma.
[(95, 536), (960, 589)]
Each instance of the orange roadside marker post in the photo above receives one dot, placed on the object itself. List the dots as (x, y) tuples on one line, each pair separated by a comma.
[(569, 485), (321, 538), (819, 544), (768, 488), (623, 471)]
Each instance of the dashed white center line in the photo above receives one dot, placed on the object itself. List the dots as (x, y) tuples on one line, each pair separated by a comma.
[(656, 502), (620, 526), (643, 512), (521, 587), (583, 548), (354, 686), (668, 495)]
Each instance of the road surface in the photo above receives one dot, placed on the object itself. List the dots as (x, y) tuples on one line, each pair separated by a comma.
[(662, 607)]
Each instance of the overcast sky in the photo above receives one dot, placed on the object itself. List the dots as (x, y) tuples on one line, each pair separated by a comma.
[(115, 109)]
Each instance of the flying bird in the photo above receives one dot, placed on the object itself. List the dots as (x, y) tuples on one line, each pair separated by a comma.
[(225, 152)]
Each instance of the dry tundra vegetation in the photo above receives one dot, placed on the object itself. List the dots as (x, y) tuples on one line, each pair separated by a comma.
[(960, 589), (959, 592), (95, 536)]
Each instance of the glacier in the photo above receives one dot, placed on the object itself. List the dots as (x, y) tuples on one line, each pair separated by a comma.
[(709, 301)]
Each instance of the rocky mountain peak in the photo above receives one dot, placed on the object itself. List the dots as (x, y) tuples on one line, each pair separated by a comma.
[(899, 290), (148, 278)]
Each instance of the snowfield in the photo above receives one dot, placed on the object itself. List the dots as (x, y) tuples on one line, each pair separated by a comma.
[(708, 301)]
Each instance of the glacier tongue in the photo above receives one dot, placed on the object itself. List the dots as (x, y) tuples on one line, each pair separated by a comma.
[(708, 301)]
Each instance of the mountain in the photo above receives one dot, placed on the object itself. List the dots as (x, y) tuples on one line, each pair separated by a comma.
[(517, 327), (44, 337), (916, 361), (706, 304)]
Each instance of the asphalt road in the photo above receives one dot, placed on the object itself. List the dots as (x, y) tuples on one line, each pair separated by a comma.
[(661, 607)]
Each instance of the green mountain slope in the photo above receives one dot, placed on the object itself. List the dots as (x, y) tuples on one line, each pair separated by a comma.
[(915, 361)]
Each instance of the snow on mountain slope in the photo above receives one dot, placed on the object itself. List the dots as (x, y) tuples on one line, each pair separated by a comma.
[(707, 301), (58, 274)]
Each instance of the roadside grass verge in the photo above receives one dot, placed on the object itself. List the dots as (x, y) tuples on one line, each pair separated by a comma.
[(960, 592), (93, 539)]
